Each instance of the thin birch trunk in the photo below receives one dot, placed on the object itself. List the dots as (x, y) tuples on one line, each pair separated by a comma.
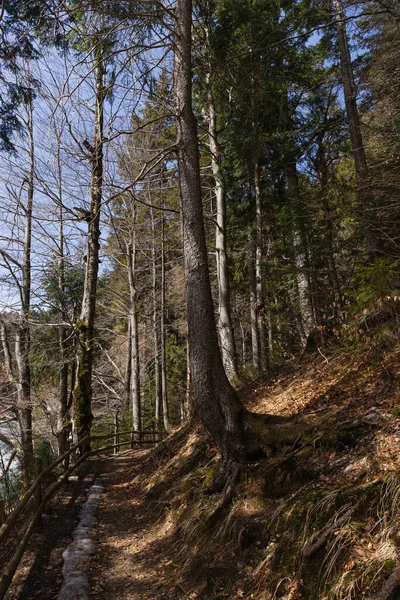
[(307, 322), (128, 368), (328, 221), (304, 307), (63, 426)]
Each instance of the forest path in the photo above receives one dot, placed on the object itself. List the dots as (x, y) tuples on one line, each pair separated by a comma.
[(132, 555), (121, 533)]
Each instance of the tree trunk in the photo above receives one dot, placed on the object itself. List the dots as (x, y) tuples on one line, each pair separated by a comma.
[(23, 339), (215, 401), (164, 386), (225, 328), (365, 191), (260, 278), (83, 387), (255, 346), (156, 328), (63, 425), (128, 368), (300, 250), (307, 321), (187, 404), (328, 220), (135, 365)]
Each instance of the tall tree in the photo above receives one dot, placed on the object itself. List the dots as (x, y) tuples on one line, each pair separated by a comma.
[(85, 326), (215, 401), (210, 84), (366, 193)]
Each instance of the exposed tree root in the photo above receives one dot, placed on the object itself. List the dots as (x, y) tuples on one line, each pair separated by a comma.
[(390, 589), (229, 492), (311, 549)]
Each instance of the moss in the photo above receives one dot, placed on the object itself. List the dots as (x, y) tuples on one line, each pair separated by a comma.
[(358, 526), (390, 564), (81, 325), (208, 478)]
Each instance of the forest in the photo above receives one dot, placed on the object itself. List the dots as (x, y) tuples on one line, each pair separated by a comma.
[(196, 196)]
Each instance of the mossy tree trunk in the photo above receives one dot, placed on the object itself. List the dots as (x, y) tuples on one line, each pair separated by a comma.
[(64, 418), (82, 403)]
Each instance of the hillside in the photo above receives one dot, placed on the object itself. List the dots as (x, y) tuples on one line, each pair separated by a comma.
[(318, 519)]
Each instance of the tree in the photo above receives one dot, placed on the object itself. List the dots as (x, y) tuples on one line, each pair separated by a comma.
[(215, 401), (85, 326), (210, 79), (366, 193), (21, 271)]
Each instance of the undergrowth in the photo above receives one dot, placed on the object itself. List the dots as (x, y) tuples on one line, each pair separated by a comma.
[(320, 524)]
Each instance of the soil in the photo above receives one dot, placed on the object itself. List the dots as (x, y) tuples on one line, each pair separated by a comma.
[(154, 541)]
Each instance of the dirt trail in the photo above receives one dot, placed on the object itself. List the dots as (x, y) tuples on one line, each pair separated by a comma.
[(132, 557)]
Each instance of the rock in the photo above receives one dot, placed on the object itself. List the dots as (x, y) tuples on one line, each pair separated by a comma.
[(77, 555)]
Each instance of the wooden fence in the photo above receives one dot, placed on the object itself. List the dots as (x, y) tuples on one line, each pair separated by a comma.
[(40, 496)]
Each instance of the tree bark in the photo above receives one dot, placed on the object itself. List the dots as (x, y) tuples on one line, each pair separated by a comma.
[(156, 327), (163, 349), (225, 328), (23, 338), (306, 311), (365, 190), (85, 326), (135, 364), (215, 401), (255, 346), (304, 308), (328, 219), (63, 424), (260, 278)]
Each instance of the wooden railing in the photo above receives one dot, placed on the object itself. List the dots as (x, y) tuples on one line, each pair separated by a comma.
[(42, 496)]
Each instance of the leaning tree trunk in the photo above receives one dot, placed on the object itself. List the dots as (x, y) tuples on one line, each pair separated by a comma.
[(215, 401), (85, 326), (225, 327), (365, 191)]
